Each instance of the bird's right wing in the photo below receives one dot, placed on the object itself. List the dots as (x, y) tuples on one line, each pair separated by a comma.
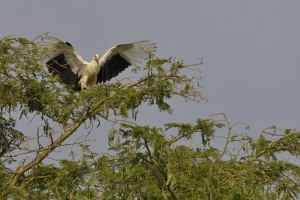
[(54, 48)]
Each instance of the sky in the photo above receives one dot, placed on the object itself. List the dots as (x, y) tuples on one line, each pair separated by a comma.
[(250, 51)]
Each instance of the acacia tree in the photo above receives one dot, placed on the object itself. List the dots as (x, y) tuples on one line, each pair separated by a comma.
[(148, 162)]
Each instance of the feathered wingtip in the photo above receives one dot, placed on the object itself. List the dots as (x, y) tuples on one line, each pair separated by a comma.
[(48, 39), (146, 45), (49, 47), (141, 50)]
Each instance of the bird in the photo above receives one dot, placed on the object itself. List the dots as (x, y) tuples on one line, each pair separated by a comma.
[(63, 60)]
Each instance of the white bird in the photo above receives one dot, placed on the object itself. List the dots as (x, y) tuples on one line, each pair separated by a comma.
[(64, 61)]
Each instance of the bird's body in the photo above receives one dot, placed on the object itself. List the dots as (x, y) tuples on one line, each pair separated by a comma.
[(90, 72), (64, 61)]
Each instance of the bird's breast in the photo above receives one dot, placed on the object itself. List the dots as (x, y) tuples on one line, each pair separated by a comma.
[(93, 68)]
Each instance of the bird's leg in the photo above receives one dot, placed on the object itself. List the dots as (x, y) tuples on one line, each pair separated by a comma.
[(83, 82)]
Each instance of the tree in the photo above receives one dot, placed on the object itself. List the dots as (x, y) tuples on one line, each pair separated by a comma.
[(149, 162)]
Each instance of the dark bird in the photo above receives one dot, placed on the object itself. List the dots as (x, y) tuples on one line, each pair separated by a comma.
[(63, 60)]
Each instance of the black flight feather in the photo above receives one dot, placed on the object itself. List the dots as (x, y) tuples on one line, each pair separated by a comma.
[(59, 66), (112, 68)]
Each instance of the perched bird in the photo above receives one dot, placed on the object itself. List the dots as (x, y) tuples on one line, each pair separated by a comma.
[(63, 60)]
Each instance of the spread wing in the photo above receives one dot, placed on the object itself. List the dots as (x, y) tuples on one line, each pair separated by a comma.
[(62, 59), (118, 58)]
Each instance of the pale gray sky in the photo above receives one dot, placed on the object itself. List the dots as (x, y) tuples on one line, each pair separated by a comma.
[(250, 50)]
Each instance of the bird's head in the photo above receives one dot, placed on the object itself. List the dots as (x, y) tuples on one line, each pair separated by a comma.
[(96, 57)]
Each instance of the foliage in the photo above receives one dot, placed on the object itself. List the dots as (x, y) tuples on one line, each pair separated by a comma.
[(147, 162)]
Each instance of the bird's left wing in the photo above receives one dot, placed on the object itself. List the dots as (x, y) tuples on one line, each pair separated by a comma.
[(118, 58)]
